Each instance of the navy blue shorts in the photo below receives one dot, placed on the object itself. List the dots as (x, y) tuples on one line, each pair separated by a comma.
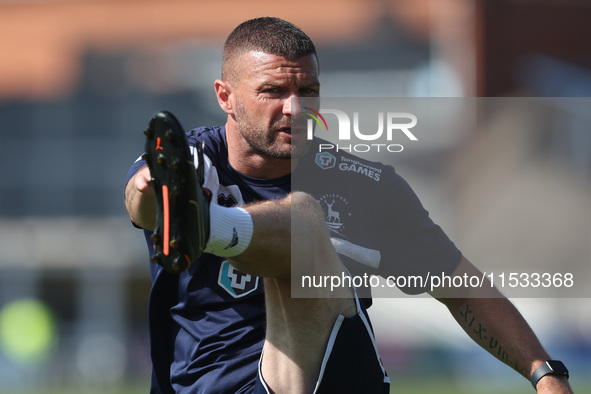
[(351, 362)]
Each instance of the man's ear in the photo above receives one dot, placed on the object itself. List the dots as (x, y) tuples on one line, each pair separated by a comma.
[(223, 91)]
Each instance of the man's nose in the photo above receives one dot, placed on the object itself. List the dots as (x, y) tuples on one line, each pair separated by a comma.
[(292, 106)]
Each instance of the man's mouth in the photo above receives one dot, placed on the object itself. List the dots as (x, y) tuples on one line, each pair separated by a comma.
[(293, 130)]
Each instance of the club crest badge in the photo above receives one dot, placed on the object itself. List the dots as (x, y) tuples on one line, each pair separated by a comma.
[(335, 207)]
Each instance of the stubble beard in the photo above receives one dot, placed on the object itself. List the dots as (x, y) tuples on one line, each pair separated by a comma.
[(265, 141)]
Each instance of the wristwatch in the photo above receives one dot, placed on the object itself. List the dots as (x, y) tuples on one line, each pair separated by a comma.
[(550, 367)]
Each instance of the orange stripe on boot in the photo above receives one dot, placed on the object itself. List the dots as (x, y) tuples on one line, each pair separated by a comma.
[(166, 209)]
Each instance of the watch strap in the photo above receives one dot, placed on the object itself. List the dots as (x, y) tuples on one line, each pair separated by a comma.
[(550, 367)]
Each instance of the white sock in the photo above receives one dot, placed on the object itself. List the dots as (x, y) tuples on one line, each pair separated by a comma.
[(230, 231)]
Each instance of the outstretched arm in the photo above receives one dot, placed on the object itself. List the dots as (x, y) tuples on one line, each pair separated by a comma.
[(496, 325)]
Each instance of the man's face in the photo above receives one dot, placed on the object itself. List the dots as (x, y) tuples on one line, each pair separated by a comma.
[(266, 102)]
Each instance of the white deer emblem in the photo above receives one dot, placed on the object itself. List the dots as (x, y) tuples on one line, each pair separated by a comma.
[(333, 216)]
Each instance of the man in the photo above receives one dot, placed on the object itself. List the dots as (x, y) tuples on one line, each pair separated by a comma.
[(224, 320)]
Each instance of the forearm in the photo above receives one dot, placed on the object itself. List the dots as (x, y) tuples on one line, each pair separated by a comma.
[(497, 326)]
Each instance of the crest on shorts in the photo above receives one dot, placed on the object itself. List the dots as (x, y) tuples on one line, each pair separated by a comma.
[(235, 282)]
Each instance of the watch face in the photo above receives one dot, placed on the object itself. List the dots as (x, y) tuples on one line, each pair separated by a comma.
[(557, 367)]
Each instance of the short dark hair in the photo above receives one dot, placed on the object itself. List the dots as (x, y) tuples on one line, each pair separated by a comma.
[(269, 35)]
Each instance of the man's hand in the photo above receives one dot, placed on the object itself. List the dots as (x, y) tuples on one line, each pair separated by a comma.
[(142, 180), (140, 200), (551, 384)]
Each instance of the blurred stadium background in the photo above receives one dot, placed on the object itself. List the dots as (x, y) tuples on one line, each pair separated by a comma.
[(79, 79)]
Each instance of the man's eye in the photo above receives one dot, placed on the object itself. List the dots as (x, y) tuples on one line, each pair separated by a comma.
[(309, 92)]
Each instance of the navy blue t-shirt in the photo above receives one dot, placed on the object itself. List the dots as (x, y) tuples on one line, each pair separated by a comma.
[(207, 325)]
